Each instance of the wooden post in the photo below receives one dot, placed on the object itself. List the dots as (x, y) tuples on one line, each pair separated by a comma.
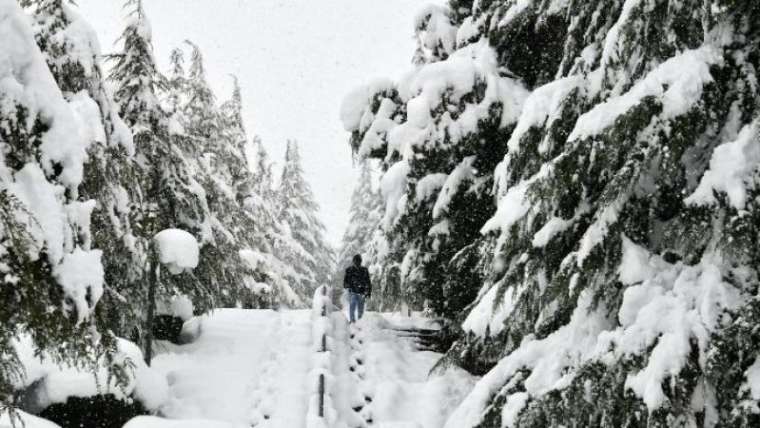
[(324, 343), (321, 395)]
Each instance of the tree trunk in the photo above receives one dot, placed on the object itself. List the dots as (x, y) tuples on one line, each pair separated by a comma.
[(152, 286)]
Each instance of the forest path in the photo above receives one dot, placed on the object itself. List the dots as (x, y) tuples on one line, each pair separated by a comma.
[(383, 378), (248, 368), (255, 369)]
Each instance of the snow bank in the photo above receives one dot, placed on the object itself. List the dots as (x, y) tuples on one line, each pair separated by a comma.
[(156, 422), (177, 249), (29, 421), (58, 383)]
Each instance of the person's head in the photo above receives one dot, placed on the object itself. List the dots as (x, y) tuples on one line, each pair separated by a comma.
[(358, 260)]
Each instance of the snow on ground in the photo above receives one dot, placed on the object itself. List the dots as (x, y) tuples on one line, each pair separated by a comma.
[(248, 368), (386, 378), (28, 421), (253, 368)]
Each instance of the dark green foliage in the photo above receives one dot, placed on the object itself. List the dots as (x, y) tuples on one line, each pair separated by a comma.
[(627, 182), (732, 351), (99, 411), (167, 327)]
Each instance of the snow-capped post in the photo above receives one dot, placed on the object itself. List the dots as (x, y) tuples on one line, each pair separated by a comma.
[(321, 414), (178, 251), (324, 307)]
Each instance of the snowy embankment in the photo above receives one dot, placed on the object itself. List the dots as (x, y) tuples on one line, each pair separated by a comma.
[(385, 380), (247, 368)]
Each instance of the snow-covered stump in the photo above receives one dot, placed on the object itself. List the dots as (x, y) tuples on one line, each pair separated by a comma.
[(321, 413), (178, 251)]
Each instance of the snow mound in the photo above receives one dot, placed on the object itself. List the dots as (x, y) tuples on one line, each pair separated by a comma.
[(177, 249), (55, 384), (29, 421), (156, 422)]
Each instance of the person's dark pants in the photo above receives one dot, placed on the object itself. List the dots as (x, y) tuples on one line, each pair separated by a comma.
[(355, 306)]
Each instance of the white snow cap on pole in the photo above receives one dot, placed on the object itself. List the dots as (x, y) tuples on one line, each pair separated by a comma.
[(177, 249)]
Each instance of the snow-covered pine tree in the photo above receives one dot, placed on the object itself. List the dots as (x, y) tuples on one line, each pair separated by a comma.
[(71, 50), (217, 144), (232, 158), (269, 235), (303, 244), (440, 133), (171, 196), (52, 279), (619, 271)]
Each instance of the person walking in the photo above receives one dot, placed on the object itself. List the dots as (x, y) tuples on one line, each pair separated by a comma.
[(359, 286)]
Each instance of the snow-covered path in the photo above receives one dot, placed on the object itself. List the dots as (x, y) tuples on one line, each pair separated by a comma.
[(248, 367), (384, 379), (251, 368)]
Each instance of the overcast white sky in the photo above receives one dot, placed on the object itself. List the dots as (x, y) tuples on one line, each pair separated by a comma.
[(295, 60)]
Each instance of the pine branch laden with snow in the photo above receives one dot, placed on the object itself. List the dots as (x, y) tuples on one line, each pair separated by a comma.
[(53, 278), (72, 53), (604, 286)]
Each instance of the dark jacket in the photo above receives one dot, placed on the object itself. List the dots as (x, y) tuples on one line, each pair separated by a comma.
[(357, 280)]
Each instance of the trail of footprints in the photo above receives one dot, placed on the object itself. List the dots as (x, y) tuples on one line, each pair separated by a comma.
[(263, 390), (363, 402), (262, 393)]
